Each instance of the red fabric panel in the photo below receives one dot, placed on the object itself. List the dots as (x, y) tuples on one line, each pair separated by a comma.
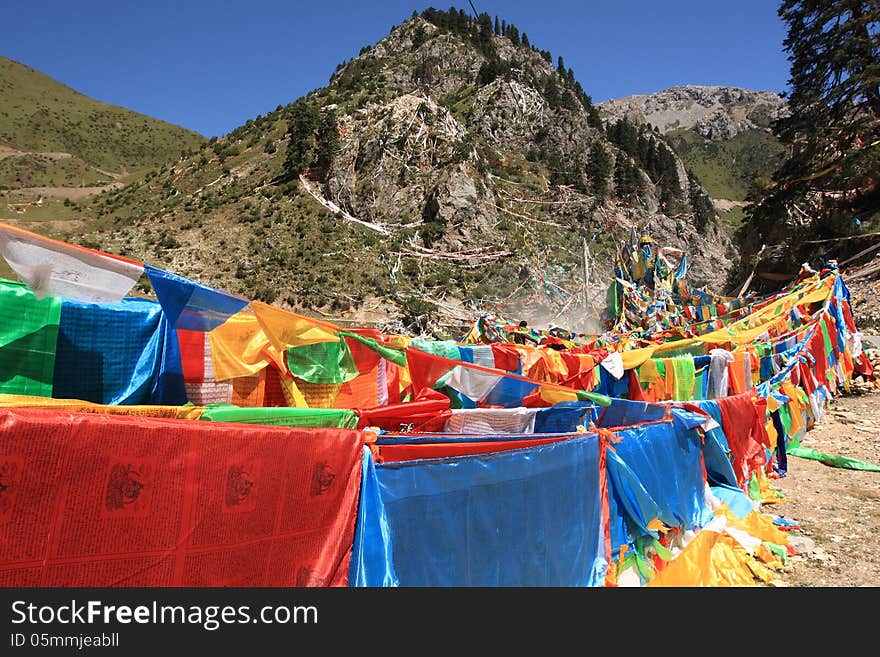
[(863, 366), (831, 325), (807, 382), (742, 419), (582, 373), (365, 358), (392, 377), (390, 453), (425, 369), (427, 416), (635, 386), (847, 316), (362, 390), (274, 394), (100, 500), (816, 346), (506, 357), (192, 355)]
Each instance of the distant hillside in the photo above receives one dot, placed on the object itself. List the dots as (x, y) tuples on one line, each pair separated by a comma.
[(722, 133), (54, 136), (728, 167), (451, 167)]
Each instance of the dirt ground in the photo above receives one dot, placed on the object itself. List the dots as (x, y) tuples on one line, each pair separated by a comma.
[(837, 509)]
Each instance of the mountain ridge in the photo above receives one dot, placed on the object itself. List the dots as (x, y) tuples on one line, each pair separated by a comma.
[(723, 134), (488, 168), (715, 112), (55, 137)]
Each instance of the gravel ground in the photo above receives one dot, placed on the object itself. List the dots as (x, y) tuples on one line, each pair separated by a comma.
[(837, 509)]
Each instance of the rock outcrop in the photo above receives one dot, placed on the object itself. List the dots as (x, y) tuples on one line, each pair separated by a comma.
[(713, 112)]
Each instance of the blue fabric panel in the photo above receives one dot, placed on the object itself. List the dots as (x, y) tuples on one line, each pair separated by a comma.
[(840, 290), (701, 372), (190, 305), (121, 353), (632, 508), (371, 555), (624, 412), (565, 417), (702, 361), (608, 385), (467, 354), (434, 438), (509, 393), (527, 517), (766, 367), (657, 472), (737, 501), (790, 355), (781, 466), (716, 449)]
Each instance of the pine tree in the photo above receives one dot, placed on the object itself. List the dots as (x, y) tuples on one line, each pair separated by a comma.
[(327, 140), (525, 40), (701, 204), (832, 174), (304, 119), (626, 177), (599, 169), (497, 27), (560, 66)]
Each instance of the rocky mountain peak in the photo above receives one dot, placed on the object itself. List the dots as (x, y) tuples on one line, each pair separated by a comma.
[(449, 166), (714, 112)]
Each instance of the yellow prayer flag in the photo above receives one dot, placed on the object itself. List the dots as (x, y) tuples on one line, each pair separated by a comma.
[(285, 329), (635, 357), (556, 395), (240, 347)]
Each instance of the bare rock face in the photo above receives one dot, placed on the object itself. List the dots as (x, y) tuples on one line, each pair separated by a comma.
[(716, 113), (507, 112), (424, 159), (408, 162)]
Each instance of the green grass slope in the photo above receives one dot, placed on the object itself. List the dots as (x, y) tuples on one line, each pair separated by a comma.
[(40, 115), (727, 168)]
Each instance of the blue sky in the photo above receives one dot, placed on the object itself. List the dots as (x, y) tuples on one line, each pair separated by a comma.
[(210, 66)]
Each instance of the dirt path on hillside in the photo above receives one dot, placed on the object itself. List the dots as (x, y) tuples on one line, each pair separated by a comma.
[(838, 510), (65, 192)]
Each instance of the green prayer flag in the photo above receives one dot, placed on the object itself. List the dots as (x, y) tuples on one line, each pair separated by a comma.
[(394, 354), (28, 340), (334, 418), (322, 362), (443, 348), (832, 460)]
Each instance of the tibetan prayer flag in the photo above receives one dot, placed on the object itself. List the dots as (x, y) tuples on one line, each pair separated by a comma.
[(53, 268), (239, 347), (114, 501), (28, 337), (286, 329), (190, 305), (322, 362)]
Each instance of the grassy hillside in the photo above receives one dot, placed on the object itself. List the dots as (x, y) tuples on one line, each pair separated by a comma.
[(445, 169), (39, 115), (727, 168)]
